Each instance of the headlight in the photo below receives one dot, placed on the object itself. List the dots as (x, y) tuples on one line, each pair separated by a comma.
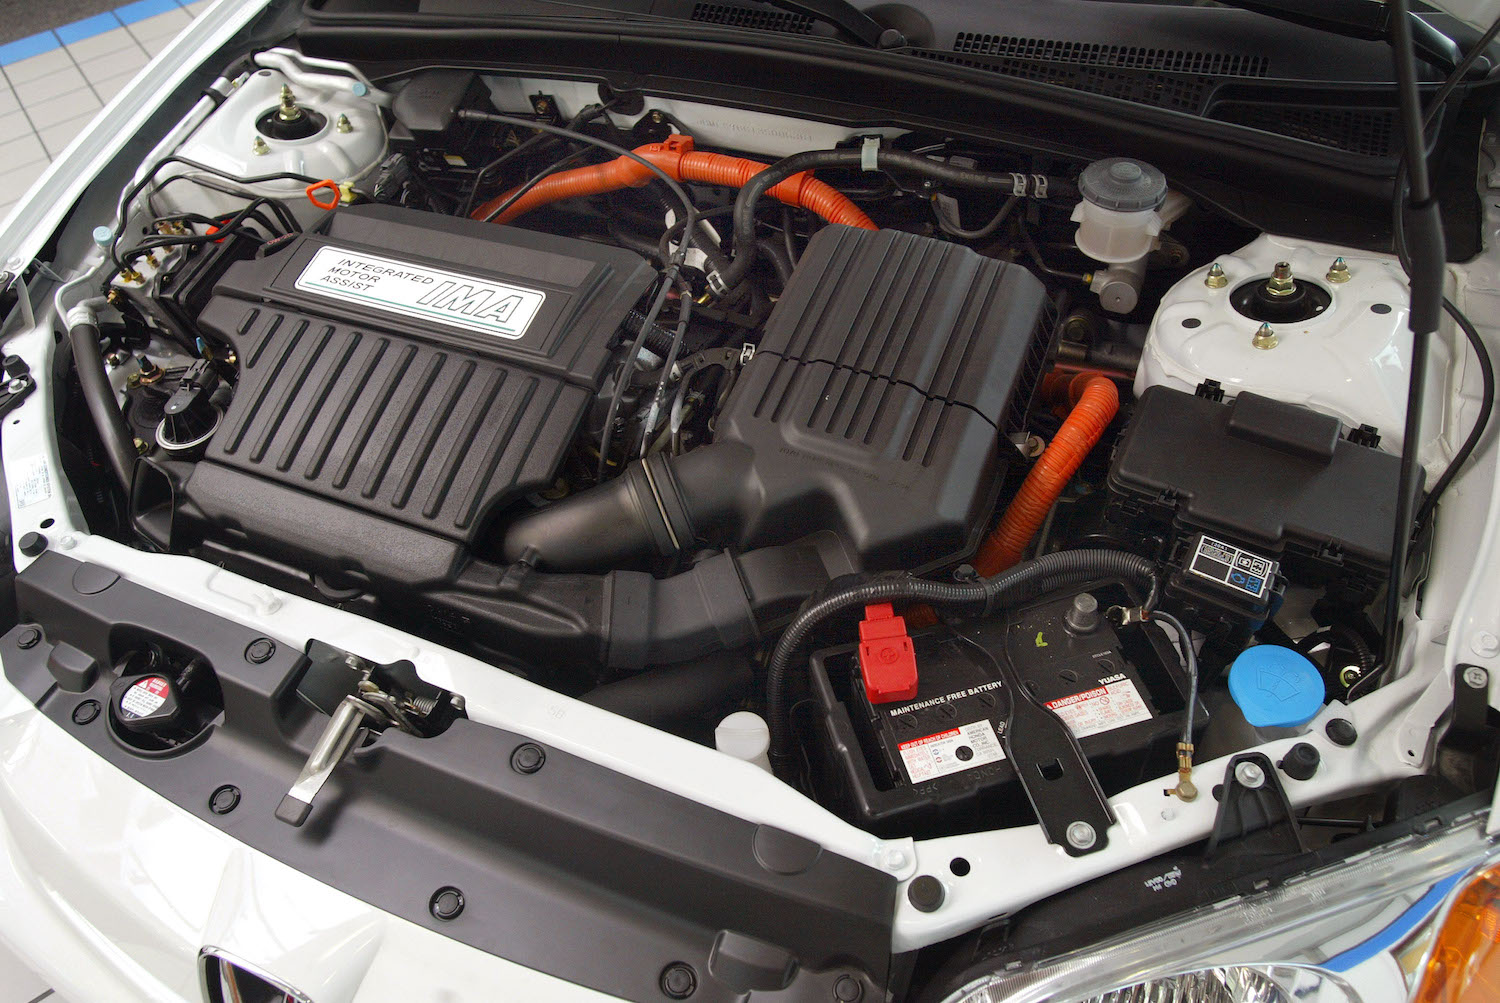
[(1359, 931)]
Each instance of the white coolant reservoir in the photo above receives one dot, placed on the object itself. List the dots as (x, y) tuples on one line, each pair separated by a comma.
[(289, 115), (1299, 322), (745, 735)]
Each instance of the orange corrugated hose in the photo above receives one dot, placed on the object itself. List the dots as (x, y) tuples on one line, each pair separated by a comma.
[(1095, 402), (675, 156)]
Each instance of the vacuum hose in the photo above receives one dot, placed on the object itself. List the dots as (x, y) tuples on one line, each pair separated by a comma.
[(1026, 581)]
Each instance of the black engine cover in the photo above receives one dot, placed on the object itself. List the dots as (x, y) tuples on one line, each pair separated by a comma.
[(423, 368)]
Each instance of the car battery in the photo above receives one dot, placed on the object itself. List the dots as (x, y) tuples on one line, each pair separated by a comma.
[(938, 763)]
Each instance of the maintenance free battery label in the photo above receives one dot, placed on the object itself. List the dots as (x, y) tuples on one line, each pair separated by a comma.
[(421, 292), (951, 752), (1238, 569), (1104, 708)]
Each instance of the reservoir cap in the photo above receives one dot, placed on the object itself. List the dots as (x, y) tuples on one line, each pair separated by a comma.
[(1275, 687)]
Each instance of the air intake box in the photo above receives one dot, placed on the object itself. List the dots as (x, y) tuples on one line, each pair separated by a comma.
[(876, 406), (879, 400)]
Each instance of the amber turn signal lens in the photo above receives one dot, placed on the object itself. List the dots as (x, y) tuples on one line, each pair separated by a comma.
[(1464, 966)]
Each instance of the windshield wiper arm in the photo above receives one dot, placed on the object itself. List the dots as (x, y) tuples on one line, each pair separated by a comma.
[(847, 18)]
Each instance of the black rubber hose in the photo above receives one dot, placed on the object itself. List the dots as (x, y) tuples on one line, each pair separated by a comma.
[(774, 251), (658, 339), (1020, 582), (886, 160), (119, 443)]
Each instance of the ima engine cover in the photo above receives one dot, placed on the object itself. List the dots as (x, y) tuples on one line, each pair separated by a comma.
[(426, 369)]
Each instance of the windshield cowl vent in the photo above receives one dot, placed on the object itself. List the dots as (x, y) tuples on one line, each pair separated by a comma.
[(736, 16), (1124, 57)]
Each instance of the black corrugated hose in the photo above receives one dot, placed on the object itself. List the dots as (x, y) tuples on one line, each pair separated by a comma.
[(1024, 581)]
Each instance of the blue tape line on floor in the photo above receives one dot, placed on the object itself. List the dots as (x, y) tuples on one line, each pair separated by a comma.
[(46, 41), (25, 48)]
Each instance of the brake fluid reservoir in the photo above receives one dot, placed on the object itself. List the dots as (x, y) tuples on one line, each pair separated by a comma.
[(282, 118), (1117, 218), (1299, 322)]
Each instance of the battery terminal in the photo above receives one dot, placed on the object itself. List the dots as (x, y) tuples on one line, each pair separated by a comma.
[(887, 658)]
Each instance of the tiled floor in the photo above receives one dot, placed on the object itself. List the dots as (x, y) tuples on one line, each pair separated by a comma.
[(54, 82)]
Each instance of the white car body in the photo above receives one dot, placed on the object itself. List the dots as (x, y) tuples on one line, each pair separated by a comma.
[(110, 891)]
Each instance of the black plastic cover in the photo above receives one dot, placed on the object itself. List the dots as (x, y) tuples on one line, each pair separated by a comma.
[(420, 419), (878, 399), (1269, 476)]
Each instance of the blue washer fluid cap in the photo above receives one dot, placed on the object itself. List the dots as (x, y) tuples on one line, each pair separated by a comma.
[(1275, 687)]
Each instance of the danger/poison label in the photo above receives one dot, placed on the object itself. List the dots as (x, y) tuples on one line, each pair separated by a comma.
[(1104, 708)]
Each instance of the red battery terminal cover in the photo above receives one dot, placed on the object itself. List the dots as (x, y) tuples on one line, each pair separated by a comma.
[(887, 659)]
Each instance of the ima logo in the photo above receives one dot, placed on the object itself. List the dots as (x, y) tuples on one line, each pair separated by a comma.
[(479, 303)]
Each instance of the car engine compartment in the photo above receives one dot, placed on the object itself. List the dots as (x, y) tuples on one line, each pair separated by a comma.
[(958, 487)]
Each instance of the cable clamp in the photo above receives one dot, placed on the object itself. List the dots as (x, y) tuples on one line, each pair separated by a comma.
[(869, 154)]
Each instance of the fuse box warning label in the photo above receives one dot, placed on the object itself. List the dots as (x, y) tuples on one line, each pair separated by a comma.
[(430, 294), (950, 752), (1104, 708), (1238, 569)]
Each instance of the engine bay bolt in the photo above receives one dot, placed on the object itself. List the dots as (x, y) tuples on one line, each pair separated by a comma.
[(895, 860), (1338, 271), (679, 981), (1081, 835), (342, 124), (259, 147), (142, 446), (1476, 678), (1034, 447), (1250, 776), (657, 118), (1265, 339), (1083, 616), (1281, 282), (288, 112), (1485, 644), (1216, 279)]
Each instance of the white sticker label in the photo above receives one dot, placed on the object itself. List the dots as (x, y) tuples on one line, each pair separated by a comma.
[(1105, 708), (34, 483), (951, 751), (144, 697), (418, 291)]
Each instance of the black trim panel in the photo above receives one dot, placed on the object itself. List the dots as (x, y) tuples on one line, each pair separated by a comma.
[(574, 870)]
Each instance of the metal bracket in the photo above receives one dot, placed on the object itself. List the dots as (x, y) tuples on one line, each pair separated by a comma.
[(1057, 778), (19, 384), (1252, 799)]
